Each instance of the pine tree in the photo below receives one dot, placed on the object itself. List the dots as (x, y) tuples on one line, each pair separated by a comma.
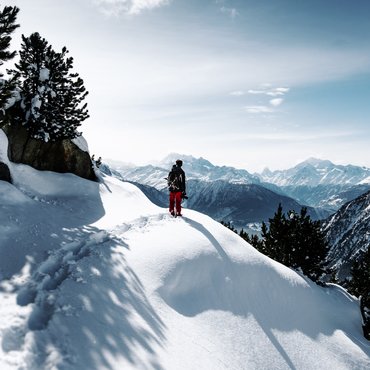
[(244, 235), (308, 243), (51, 96), (229, 225), (251, 239), (296, 241), (257, 243), (275, 238), (8, 17), (360, 271)]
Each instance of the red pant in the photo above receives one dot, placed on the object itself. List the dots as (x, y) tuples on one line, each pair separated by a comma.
[(175, 197)]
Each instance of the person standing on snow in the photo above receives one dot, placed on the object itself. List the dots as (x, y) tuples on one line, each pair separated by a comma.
[(176, 186)]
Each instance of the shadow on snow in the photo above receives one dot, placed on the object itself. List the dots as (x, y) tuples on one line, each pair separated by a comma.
[(91, 307), (215, 282)]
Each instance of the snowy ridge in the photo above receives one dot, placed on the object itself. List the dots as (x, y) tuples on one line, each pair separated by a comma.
[(106, 280)]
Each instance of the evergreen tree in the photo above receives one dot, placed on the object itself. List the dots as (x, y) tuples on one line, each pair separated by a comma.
[(8, 17), (251, 239), (257, 243), (229, 226), (51, 96), (297, 242), (308, 244), (275, 237), (360, 286)]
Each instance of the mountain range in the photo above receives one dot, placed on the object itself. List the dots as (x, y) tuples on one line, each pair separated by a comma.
[(314, 172), (196, 169), (226, 192), (320, 183), (240, 204)]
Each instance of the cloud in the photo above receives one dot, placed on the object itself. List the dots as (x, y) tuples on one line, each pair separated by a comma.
[(268, 90), (232, 12), (131, 7), (255, 92), (293, 137), (276, 102), (282, 90), (152, 73), (237, 93), (255, 109)]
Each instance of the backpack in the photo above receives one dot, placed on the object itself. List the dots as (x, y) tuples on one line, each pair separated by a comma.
[(175, 179)]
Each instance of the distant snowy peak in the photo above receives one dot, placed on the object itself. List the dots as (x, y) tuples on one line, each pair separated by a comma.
[(147, 175), (266, 172), (170, 159), (313, 172), (195, 169), (316, 162)]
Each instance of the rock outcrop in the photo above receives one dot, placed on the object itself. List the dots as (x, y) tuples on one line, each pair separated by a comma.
[(58, 156)]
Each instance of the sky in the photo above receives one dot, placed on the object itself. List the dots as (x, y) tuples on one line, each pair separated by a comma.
[(245, 83)]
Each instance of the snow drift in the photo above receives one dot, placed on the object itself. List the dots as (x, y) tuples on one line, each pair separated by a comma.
[(94, 276)]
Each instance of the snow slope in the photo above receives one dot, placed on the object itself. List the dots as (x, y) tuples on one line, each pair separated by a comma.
[(94, 276)]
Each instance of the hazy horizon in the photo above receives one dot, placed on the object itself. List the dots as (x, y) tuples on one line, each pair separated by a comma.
[(183, 156)]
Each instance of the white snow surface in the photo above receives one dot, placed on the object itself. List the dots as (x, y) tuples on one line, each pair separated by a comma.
[(365, 181), (81, 142), (94, 276), (44, 74)]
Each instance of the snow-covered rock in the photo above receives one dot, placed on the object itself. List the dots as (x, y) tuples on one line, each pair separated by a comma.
[(60, 156)]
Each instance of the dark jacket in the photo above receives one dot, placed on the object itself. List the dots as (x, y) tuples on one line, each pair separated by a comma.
[(176, 179)]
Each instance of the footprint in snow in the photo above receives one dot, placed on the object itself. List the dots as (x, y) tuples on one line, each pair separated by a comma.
[(42, 288)]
